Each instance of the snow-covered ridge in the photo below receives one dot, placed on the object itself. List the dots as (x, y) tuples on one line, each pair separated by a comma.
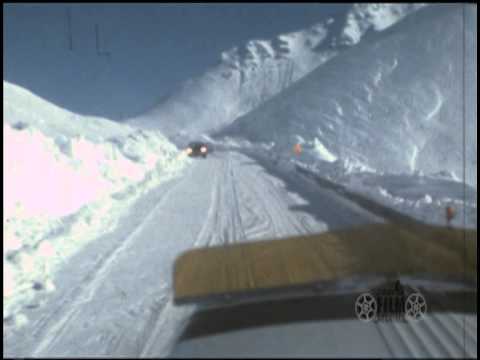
[(67, 179), (379, 17), (297, 50), (252, 73), (246, 77)]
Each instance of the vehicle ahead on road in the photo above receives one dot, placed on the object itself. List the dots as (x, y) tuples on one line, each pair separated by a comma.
[(321, 295), (197, 149)]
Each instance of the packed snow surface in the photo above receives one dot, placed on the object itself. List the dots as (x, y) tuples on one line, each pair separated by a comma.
[(116, 294)]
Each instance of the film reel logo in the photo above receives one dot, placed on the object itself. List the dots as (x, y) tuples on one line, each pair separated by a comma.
[(415, 307), (367, 307)]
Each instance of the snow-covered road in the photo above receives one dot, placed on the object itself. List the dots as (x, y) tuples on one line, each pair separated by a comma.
[(114, 297)]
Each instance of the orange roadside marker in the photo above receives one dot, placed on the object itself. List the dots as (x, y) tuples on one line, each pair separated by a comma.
[(297, 149), (450, 213)]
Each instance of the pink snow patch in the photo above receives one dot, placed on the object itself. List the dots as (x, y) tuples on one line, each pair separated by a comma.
[(46, 249), (8, 281), (43, 181)]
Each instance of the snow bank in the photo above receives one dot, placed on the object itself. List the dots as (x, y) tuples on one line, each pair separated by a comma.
[(67, 180), (423, 197), (390, 107), (394, 103), (420, 196), (323, 152)]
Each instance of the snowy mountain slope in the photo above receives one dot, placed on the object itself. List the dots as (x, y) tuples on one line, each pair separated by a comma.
[(67, 179), (391, 104), (245, 78), (118, 60), (83, 57), (250, 74)]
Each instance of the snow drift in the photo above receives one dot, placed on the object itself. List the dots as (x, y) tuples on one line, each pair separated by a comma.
[(67, 179), (392, 104)]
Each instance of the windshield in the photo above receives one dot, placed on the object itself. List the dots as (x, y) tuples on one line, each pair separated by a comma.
[(174, 171)]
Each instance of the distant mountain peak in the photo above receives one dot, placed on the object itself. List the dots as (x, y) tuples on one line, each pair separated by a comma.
[(289, 46), (378, 17)]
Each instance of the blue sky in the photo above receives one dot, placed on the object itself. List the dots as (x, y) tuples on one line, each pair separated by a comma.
[(153, 47)]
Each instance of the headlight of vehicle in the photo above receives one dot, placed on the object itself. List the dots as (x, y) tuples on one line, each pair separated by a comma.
[(203, 149), (189, 151)]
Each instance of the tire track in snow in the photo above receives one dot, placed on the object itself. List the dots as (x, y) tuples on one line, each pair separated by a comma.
[(254, 212), (222, 226), (204, 237), (255, 208), (212, 227), (227, 226), (225, 223), (238, 230), (90, 284), (245, 203), (270, 212), (147, 330)]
